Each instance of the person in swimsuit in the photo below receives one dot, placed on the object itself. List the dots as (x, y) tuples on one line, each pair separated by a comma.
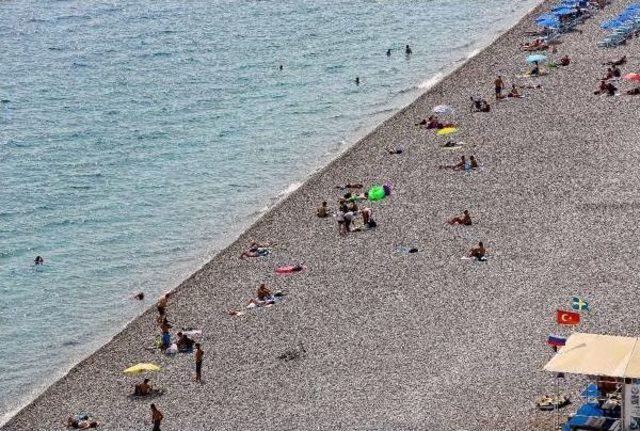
[(323, 212), (499, 85), (564, 61), (616, 72), (139, 296), (407, 50), (263, 293), (458, 166), (81, 424), (142, 389), (478, 252), (464, 219), (38, 260), (156, 417), (536, 69), (473, 163), (389, 52), (199, 355), (514, 92)]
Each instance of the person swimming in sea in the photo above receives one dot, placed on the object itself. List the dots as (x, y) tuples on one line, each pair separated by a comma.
[(408, 50), (357, 80), (39, 260), (139, 296), (389, 52)]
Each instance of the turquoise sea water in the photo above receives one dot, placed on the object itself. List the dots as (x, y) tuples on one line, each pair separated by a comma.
[(137, 138)]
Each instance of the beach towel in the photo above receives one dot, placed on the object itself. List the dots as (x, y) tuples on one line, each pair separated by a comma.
[(289, 269)]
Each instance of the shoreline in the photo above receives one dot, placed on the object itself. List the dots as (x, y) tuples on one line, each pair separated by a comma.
[(308, 188)]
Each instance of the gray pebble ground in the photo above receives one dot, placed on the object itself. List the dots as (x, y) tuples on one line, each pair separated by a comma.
[(424, 341)]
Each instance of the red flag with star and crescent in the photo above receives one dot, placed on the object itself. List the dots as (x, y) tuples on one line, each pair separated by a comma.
[(567, 318)]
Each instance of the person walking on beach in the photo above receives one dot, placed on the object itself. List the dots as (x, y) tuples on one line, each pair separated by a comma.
[(499, 85), (199, 355), (156, 417)]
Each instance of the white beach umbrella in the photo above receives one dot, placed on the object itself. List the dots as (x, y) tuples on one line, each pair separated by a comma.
[(443, 109)]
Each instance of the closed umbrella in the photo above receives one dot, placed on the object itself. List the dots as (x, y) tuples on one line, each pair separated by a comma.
[(536, 58), (141, 368), (443, 109)]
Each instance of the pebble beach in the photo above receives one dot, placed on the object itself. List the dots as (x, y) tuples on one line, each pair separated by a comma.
[(376, 339)]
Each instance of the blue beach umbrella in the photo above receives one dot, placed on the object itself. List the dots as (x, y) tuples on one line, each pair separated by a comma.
[(564, 11), (533, 58), (545, 16), (549, 23)]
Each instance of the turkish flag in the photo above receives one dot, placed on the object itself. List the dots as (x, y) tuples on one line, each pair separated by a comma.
[(567, 318)]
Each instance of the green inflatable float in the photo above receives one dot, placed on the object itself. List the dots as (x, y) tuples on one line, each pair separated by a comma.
[(376, 193)]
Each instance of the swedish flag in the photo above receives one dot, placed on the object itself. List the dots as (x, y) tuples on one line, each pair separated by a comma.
[(579, 304)]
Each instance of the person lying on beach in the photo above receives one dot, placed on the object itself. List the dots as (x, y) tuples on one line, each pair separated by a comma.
[(602, 88), (82, 423), (608, 75), (479, 105), (478, 252), (458, 166), (264, 297), (464, 219), (323, 211), (536, 45), (565, 61), (634, 92), (514, 92), (398, 150), (620, 62), (256, 249), (349, 186)]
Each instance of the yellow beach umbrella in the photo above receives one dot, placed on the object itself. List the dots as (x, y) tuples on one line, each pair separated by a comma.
[(141, 368), (446, 131)]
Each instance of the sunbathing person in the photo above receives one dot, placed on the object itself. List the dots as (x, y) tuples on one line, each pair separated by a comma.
[(464, 219), (256, 249), (472, 162), (616, 72), (142, 389), (536, 69), (323, 212), (184, 343), (620, 62), (349, 186), (564, 61), (514, 92), (602, 88), (82, 423), (536, 45), (478, 252), (634, 92), (263, 297), (398, 150), (479, 105), (431, 122), (608, 75), (457, 167)]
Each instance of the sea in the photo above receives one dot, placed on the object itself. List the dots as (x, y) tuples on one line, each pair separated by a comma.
[(138, 138)]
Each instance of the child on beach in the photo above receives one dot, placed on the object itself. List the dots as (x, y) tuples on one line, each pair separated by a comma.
[(323, 212)]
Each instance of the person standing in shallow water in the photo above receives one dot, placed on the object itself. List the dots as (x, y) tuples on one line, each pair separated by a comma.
[(407, 50), (357, 80), (156, 417), (389, 52)]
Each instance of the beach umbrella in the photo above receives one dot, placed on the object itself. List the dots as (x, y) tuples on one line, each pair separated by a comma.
[(549, 23), (141, 368), (545, 16), (632, 76), (446, 131), (564, 11), (443, 109), (533, 58)]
